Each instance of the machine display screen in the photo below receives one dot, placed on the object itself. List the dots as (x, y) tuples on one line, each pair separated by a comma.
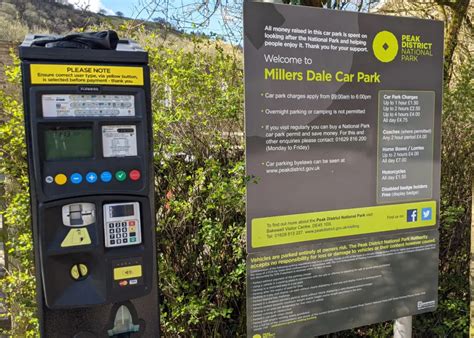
[(122, 210), (68, 143)]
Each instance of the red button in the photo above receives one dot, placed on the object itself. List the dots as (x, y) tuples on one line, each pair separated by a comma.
[(135, 175), (123, 283)]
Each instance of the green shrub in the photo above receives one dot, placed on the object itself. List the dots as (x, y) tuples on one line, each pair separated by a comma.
[(452, 316), (19, 283), (197, 96), (200, 190)]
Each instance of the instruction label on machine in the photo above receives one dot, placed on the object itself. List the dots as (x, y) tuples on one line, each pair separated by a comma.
[(73, 105), (86, 74), (76, 237), (119, 141)]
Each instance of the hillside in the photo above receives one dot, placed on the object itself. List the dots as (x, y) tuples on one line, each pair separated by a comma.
[(18, 17)]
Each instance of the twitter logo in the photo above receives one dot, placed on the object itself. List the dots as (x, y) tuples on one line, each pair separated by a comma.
[(426, 214)]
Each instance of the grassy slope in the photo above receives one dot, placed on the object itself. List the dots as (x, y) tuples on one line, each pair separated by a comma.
[(18, 17)]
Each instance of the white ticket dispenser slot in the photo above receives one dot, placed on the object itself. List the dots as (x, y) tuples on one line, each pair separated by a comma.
[(122, 225)]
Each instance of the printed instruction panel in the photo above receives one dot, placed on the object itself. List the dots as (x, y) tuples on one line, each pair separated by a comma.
[(73, 105), (119, 141)]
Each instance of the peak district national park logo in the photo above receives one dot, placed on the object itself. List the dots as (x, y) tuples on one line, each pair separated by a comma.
[(385, 46)]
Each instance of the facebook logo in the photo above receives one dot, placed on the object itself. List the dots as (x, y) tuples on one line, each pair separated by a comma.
[(412, 215), (426, 214)]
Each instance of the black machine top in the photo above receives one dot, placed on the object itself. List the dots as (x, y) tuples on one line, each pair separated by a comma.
[(98, 46)]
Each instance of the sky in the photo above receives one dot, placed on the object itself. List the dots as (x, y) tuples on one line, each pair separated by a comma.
[(127, 7), (111, 6)]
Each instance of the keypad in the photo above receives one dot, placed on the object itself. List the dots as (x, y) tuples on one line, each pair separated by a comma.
[(122, 233)]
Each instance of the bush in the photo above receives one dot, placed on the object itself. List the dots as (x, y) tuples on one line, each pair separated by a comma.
[(200, 190), (200, 182), (19, 283), (452, 316)]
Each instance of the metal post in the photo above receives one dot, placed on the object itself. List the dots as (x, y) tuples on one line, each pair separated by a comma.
[(402, 327)]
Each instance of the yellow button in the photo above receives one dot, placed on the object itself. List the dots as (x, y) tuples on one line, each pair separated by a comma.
[(127, 272), (132, 229), (60, 179)]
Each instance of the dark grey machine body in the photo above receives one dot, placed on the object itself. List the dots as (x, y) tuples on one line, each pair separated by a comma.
[(84, 282)]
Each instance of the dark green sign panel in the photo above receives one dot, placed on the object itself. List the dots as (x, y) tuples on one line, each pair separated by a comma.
[(343, 114)]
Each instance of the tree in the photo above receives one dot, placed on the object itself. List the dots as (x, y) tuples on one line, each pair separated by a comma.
[(120, 14), (202, 14), (358, 5), (458, 15), (459, 29)]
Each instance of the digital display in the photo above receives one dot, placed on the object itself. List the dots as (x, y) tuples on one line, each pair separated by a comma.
[(123, 210), (68, 143)]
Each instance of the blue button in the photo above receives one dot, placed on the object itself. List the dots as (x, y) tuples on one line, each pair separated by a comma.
[(106, 176), (91, 177), (76, 178)]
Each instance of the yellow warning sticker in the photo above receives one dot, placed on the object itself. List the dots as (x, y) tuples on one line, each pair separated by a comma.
[(76, 237), (86, 74), (126, 272)]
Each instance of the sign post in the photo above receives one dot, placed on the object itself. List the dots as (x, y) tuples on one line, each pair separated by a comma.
[(88, 132), (343, 116)]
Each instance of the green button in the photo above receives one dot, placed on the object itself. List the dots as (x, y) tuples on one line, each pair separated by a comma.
[(121, 175)]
